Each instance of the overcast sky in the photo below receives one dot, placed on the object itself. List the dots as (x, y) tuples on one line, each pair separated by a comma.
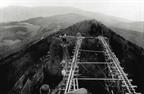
[(129, 9)]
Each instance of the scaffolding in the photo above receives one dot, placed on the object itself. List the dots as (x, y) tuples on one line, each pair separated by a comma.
[(116, 81)]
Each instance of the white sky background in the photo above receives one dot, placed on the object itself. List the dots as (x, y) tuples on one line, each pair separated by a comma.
[(129, 9)]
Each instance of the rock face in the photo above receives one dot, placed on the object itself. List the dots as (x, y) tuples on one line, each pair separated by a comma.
[(28, 61)]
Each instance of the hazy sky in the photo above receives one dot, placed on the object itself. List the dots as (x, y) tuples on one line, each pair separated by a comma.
[(129, 9)]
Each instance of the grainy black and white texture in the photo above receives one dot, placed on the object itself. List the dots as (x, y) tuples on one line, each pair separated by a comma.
[(31, 52)]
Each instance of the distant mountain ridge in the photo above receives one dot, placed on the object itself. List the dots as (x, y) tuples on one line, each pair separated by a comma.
[(68, 19), (63, 21), (19, 13), (62, 17), (127, 30)]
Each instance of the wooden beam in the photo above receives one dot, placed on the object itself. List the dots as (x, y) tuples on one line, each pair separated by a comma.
[(104, 79), (92, 51), (94, 63)]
